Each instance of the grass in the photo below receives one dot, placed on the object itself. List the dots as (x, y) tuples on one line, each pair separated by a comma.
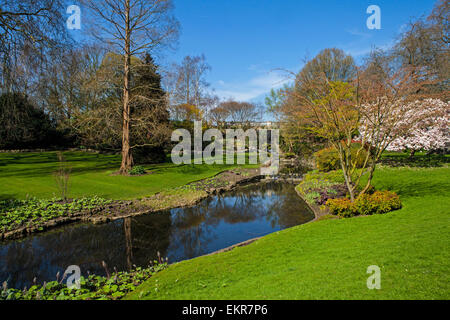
[(25, 175), (328, 259)]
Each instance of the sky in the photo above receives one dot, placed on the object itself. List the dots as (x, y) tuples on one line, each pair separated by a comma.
[(247, 41)]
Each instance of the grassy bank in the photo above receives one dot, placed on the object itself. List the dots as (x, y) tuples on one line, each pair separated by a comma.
[(328, 259), (31, 174)]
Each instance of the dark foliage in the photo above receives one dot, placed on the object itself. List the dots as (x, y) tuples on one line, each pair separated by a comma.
[(23, 125)]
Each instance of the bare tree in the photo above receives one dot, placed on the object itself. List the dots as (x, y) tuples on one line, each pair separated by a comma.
[(242, 113), (425, 44), (71, 83), (218, 116), (29, 29), (186, 82), (132, 27)]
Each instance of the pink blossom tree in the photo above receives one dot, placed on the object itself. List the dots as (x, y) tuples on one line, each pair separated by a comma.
[(396, 124), (428, 123)]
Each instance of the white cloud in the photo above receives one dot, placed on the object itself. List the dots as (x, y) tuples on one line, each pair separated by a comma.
[(362, 51), (361, 34), (254, 87)]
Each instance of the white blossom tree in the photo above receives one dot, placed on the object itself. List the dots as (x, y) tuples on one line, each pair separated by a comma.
[(387, 124), (428, 123)]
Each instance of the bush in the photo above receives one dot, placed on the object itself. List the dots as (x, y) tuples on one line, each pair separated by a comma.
[(328, 159), (341, 207), (377, 203), (137, 170), (366, 204)]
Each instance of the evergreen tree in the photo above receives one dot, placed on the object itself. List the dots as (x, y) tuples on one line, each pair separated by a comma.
[(150, 118)]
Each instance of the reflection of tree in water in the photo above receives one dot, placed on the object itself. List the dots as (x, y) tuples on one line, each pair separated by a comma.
[(193, 228), (150, 234), (290, 210), (128, 242), (120, 244), (179, 233), (45, 255)]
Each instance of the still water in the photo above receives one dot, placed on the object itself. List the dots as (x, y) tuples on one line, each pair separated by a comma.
[(183, 233)]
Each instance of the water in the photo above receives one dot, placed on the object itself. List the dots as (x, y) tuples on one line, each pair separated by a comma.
[(183, 233)]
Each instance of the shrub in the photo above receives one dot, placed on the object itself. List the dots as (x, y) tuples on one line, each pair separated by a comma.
[(366, 204), (341, 207), (377, 203), (136, 170), (328, 159)]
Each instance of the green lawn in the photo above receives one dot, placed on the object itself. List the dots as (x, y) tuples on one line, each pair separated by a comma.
[(31, 174), (328, 259)]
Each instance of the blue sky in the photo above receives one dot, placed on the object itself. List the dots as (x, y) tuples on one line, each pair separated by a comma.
[(245, 40)]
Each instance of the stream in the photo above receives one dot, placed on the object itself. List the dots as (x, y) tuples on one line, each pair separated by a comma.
[(182, 233)]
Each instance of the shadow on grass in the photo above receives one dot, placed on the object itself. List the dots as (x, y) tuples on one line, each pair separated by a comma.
[(417, 189), (41, 164), (417, 161), (32, 172), (35, 165)]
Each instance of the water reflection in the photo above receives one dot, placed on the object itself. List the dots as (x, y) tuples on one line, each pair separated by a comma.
[(178, 234)]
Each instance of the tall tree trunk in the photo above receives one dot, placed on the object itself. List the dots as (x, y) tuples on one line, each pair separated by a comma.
[(128, 242), (127, 158)]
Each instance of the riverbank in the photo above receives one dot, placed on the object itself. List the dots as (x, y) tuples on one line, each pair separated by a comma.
[(183, 196), (329, 259)]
